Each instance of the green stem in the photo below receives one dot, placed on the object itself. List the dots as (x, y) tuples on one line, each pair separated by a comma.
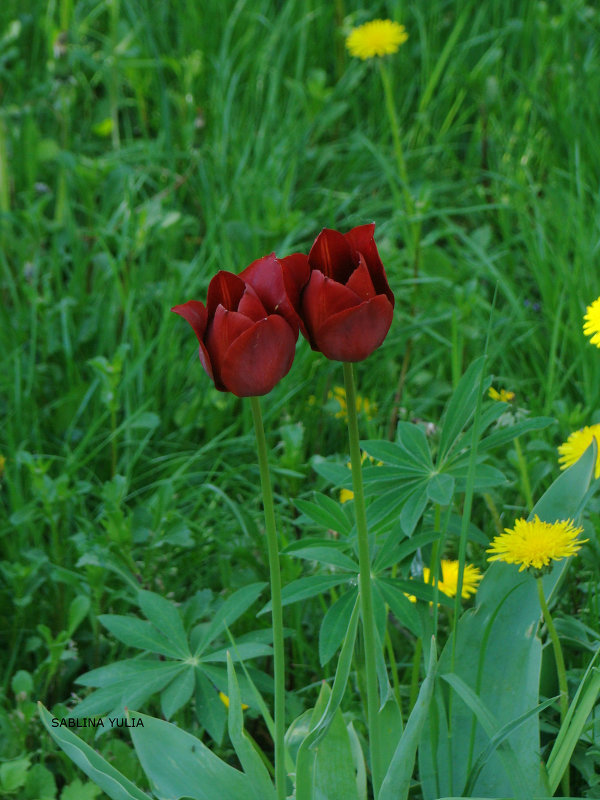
[(560, 667), (277, 613), (364, 578), (390, 107), (524, 475)]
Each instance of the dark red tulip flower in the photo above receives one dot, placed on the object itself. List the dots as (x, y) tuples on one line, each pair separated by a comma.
[(346, 307), (249, 327)]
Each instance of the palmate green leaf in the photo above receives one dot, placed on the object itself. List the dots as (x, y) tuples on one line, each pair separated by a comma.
[(335, 474), (178, 692), (180, 765), (388, 505), (165, 618), (440, 488), (252, 764), (413, 508), (132, 668), (400, 606), (325, 551), (335, 625), (505, 435), (461, 407), (399, 455), (233, 608), (241, 651), (498, 656), (210, 711), (326, 512), (139, 633), (104, 775), (396, 782), (304, 588), (132, 691), (394, 552)]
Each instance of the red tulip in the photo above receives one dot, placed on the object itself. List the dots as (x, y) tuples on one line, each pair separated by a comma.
[(248, 329), (347, 306)]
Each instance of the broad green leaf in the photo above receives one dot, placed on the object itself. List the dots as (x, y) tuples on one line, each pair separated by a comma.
[(440, 488), (396, 783), (487, 721), (242, 650), (335, 625), (210, 710), (165, 617), (180, 765), (335, 474), (326, 512), (232, 609), (131, 668), (388, 505), (412, 438), (261, 785), (413, 509), (138, 633), (400, 606), (394, 551), (324, 553), (304, 588), (573, 726), (324, 714), (115, 785), (396, 454), (133, 691), (505, 435), (461, 407), (178, 692), (498, 656)]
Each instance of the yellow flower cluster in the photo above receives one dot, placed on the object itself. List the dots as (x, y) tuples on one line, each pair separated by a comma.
[(503, 395), (363, 404), (534, 543), (381, 37), (576, 445), (449, 580), (591, 322)]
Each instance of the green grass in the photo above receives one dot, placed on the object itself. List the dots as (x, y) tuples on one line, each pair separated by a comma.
[(144, 145)]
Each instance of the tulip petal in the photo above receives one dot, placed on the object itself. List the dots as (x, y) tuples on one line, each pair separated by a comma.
[(265, 276), (321, 299), (259, 357), (225, 289), (251, 306), (353, 334), (360, 281), (223, 330), (361, 239), (332, 255), (194, 312)]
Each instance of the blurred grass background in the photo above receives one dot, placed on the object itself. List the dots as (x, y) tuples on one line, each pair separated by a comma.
[(145, 144)]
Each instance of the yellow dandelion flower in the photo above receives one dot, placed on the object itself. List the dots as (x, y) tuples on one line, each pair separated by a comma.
[(363, 404), (225, 701), (535, 543), (503, 395), (591, 322), (449, 582), (576, 445), (381, 37), (345, 495)]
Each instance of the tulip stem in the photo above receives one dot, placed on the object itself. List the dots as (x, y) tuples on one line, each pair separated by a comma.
[(276, 608), (365, 586)]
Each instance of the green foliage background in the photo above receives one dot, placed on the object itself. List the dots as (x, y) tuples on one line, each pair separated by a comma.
[(145, 144)]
